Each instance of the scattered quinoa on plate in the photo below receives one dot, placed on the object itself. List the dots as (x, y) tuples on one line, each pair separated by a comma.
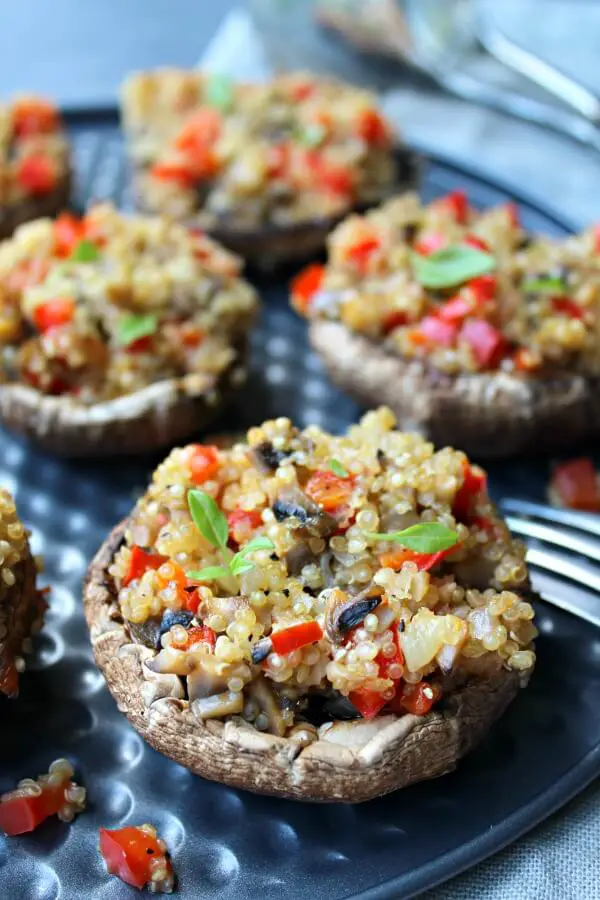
[(35, 168), (242, 158), (97, 309), (34, 800), (441, 294), (299, 582)]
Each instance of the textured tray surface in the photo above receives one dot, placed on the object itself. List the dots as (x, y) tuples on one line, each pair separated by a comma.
[(227, 843)]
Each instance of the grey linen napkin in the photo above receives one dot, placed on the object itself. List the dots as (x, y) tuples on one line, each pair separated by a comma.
[(560, 859)]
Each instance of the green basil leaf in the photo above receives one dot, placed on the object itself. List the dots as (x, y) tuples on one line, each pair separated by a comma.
[(337, 468), (451, 266), (210, 573), (312, 135), (543, 285), (132, 327), (208, 518), (426, 537), (239, 566), (85, 251), (219, 92)]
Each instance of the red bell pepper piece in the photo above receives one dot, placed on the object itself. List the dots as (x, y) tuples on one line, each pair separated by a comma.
[(202, 462), (69, 230), (367, 702), (36, 174), (457, 308), (416, 699), (303, 90), (567, 307), (21, 814), (457, 203), (360, 253), (289, 639), (129, 853), (242, 523), (182, 173), (474, 484), (140, 562), (472, 240), (487, 343), (438, 332), (424, 561), (385, 662), (576, 483), (201, 129), (305, 285), (483, 288), (373, 129), (53, 313), (32, 116), (328, 490), (393, 320), (197, 634)]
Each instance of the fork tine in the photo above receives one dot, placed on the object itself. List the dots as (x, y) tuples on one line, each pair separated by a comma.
[(575, 600), (565, 566), (589, 522), (558, 537)]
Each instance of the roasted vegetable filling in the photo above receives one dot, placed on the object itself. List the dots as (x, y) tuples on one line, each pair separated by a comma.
[(463, 290), (99, 307), (300, 577), (297, 148), (34, 154)]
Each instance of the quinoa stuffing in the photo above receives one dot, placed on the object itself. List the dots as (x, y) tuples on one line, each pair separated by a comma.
[(465, 291), (296, 148), (301, 577), (34, 159), (100, 307), (33, 801)]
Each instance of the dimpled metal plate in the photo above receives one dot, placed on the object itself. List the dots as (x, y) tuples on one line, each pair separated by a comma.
[(232, 844)]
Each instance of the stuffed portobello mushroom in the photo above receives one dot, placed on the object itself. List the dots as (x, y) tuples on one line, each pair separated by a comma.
[(21, 604), (35, 170), (316, 617), (475, 333), (267, 169), (118, 333)]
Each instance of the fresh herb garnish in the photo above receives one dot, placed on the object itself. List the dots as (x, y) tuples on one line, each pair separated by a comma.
[(337, 468), (85, 251), (543, 284), (426, 537), (451, 266), (212, 525), (312, 135), (219, 92), (132, 327)]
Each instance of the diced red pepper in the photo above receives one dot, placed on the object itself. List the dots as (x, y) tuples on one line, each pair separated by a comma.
[(438, 332), (472, 240), (33, 116), (576, 483), (69, 230), (53, 313), (141, 560), (201, 129), (487, 343), (303, 90), (567, 307), (19, 815), (191, 335), (197, 634), (483, 288), (203, 462), (337, 179), (192, 600), (305, 285), (129, 853), (457, 308), (393, 320), (367, 702), (296, 636), (180, 172), (457, 203), (473, 486), (424, 561), (385, 662), (242, 524), (373, 129), (328, 490), (141, 345), (417, 699), (360, 254), (430, 243), (36, 174)]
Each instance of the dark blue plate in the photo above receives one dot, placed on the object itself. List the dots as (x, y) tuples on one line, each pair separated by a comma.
[(227, 843)]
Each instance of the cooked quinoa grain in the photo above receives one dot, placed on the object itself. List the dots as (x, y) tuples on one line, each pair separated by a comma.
[(520, 303), (97, 308), (324, 604)]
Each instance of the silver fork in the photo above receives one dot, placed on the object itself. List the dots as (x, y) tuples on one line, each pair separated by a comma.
[(565, 575)]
